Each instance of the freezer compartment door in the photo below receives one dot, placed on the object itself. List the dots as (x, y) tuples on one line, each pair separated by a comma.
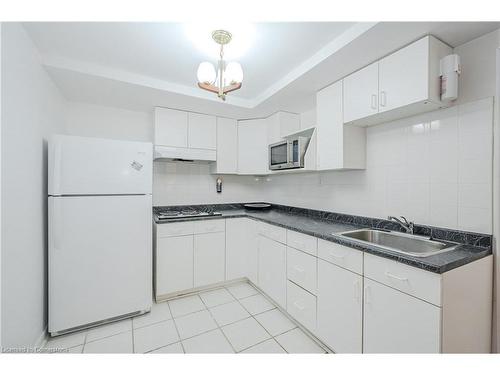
[(85, 166), (100, 258)]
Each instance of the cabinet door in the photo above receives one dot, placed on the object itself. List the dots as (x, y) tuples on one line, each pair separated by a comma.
[(272, 269), (171, 127), (174, 264), (330, 127), (340, 308), (252, 147), (360, 93), (227, 145), (209, 258), (241, 254), (202, 131), (395, 322), (404, 76), (252, 251)]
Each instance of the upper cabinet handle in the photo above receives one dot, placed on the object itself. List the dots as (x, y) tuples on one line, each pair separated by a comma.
[(383, 98), (374, 101)]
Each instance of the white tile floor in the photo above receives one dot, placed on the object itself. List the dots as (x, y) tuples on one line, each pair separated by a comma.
[(233, 319)]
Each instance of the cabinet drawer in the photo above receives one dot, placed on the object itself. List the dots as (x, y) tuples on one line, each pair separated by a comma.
[(209, 226), (342, 256), (175, 229), (301, 305), (301, 269), (272, 232), (419, 283), (301, 241)]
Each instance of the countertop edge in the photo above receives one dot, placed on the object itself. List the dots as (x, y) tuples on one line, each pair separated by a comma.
[(418, 263)]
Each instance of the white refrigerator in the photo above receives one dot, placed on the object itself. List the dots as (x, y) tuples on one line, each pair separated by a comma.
[(99, 231)]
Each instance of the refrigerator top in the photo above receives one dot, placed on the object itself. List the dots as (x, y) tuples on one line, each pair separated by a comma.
[(96, 166)]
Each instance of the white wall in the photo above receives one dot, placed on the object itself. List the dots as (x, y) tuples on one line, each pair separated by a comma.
[(433, 168), (173, 182), (477, 59), (192, 183), (32, 109), (91, 120)]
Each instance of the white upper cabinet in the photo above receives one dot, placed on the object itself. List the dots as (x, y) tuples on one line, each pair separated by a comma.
[(361, 93), (400, 85), (171, 127), (252, 147), (280, 125), (337, 146), (202, 131), (227, 146), (184, 135), (404, 76)]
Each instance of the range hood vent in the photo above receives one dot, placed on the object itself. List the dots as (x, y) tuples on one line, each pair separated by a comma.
[(184, 154)]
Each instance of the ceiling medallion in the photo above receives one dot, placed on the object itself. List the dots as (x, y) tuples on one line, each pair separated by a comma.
[(227, 77)]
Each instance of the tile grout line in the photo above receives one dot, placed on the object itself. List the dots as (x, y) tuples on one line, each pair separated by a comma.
[(176, 330), (217, 323), (253, 316), (105, 337)]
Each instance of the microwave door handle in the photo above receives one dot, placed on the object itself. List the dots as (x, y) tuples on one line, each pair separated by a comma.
[(289, 154)]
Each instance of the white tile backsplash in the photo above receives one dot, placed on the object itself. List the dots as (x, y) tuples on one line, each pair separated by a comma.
[(436, 168)]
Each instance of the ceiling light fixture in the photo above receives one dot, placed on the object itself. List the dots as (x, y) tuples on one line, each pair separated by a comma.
[(227, 77)]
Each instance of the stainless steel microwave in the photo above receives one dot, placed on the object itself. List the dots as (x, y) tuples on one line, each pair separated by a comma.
[(288, 154)]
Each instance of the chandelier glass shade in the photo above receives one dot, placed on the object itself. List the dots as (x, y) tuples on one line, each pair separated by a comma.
[(224, 78)]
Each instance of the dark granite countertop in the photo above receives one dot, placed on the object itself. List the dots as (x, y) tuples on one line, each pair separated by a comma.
[(327, 226)]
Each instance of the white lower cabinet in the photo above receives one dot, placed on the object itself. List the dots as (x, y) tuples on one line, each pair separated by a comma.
[(353, 301), (174, 264), (209, 258), (395, 322), (340, 308), (272, 269), (241, 249), (301, 305), (188, 255)]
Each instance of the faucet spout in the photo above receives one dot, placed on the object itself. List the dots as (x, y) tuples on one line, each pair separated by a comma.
[(403, 222)]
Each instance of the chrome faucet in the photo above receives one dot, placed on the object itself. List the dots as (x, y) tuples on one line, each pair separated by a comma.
[(407, 225)]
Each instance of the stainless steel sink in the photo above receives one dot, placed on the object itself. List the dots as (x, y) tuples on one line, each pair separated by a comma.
[(413, 245)]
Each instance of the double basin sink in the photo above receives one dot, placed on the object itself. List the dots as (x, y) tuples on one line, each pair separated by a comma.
[(413, 245)]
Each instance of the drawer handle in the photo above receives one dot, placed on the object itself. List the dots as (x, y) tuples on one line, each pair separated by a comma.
[(298, 305), (395, 277), (336, 255), (357, 294), (298, 269), (367, 295)]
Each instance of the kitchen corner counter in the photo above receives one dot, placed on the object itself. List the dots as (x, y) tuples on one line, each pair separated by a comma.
[(327, 226)]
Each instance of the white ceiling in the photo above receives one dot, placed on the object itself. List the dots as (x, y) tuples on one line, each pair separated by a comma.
[(165, 52), (141, 65)]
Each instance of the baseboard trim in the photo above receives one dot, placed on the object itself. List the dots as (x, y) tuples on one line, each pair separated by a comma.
[(42, 339), (187, 292)]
